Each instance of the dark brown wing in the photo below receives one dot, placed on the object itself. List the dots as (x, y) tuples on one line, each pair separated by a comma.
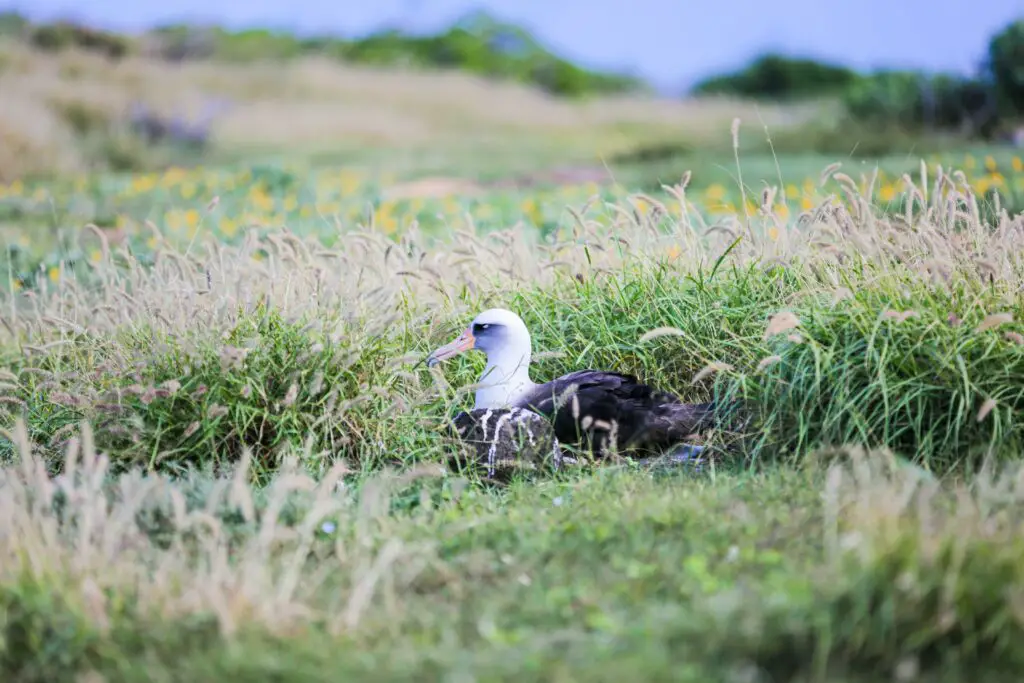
[(592, 406)]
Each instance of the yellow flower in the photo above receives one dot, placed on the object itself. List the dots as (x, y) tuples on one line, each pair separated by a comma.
[(262, 200), (990, 163), (773, 233), (387, 224), (673, 252), (349, 181), (792, 191), (290, 203), (229, 227), (143, 183), (531, 210), (95, 255), (1017, 165), (53, 273), (806, 203), (887, 192), (188, 190), (782, 211), (451, 205), (715, 192), (173, 176)]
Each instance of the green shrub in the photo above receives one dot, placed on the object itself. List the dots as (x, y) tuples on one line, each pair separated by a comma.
[(256, 44), (1005, 65), (780, 78), (42, 636), (920, 102), (64, 35), (12, 24)]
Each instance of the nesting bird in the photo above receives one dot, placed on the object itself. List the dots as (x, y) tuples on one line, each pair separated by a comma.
[(592, 408)]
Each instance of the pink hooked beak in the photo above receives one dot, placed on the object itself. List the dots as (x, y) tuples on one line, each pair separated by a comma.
[(464, 342)]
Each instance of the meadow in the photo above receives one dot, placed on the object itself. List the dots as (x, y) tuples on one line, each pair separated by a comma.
[(222, 456)]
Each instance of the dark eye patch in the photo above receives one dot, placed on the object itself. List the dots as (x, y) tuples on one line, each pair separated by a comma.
[(478, 327)]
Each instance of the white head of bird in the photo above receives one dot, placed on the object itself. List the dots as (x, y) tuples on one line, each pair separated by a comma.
[(502, 335)]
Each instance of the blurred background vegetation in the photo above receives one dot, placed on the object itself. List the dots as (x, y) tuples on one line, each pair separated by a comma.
[(72, 113)]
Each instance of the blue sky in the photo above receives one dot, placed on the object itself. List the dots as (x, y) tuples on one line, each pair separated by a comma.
[(672, 43)]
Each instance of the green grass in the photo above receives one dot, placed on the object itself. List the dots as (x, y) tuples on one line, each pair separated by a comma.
[(854, 375), (44, 222), (844, 571), (864, 525)]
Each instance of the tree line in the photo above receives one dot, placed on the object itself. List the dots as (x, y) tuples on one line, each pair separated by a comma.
[(984, 104), (477, 44)]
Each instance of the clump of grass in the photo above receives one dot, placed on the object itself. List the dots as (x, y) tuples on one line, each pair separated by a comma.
[(283, 343), (266, 383), (855, 565)]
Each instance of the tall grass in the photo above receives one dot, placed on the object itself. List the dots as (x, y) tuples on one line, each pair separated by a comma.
[(226, 462), (851, 564), (847, 325)]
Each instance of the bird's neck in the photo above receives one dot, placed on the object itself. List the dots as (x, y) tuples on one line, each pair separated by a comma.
[(505, 378)]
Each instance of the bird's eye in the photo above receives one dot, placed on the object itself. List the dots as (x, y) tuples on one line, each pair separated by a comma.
[(480, 327)]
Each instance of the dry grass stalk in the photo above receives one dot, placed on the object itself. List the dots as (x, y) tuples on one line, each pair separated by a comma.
[(361, 278), (995, 320), (783, 321), (899, 316), (661, 332), (710, 369), (101, 546), (987, 407)]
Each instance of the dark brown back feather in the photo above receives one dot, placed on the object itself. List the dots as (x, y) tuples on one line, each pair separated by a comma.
[(609, 404)]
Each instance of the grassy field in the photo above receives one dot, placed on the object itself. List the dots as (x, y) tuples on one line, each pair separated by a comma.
[(222, 457)]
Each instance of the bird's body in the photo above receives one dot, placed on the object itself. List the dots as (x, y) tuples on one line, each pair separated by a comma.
[(592, 408), (506, 440)]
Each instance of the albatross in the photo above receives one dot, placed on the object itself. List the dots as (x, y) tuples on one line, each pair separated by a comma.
[(596, 407)]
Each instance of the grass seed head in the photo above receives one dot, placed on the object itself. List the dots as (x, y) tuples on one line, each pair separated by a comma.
[(987, 407), (710, 369), (661, 332), (781, 322), (995, 320)]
